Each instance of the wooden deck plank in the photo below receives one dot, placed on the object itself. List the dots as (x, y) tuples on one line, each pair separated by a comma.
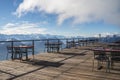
[(70, 64)]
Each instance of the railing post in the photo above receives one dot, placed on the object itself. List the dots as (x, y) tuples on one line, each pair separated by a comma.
[(47, 45), (66, 43), (33, 48), (58, 45), (12, 49), (73, 42)]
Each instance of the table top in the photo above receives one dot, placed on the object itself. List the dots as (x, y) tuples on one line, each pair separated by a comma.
[(107, 50), (23, 46)]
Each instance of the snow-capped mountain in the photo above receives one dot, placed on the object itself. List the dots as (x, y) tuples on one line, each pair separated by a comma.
[(4, 37), (39, 45)]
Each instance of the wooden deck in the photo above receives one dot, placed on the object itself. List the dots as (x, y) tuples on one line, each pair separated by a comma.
[(71, 64)]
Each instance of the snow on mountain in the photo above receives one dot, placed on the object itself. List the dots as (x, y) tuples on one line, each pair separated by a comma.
[(39, 45), (28, 37)]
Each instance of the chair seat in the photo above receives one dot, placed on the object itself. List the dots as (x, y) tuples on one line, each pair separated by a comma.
[(101, 58)]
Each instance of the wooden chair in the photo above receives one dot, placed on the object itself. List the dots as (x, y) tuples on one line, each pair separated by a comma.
[(100, 57), (9, 51), (17, 53), (114, 58), (24, 52)]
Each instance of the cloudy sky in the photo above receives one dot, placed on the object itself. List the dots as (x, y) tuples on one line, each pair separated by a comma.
[(60, 17)]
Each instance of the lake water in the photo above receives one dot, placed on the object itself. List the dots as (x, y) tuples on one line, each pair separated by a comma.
[(39, 47)]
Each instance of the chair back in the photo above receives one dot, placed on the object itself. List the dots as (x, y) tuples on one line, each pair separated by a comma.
[(9, 49), (115, 56), (99, 53), (23, 50), (115, 53), (17, 50)]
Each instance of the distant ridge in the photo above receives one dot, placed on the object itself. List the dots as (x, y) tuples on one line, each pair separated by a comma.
[(5, 37)]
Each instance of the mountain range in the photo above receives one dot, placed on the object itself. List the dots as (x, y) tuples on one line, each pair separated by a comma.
[(39, 45), (4, 37)]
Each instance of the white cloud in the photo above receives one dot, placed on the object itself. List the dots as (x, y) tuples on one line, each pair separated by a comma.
[(22, 28), (82, 11)]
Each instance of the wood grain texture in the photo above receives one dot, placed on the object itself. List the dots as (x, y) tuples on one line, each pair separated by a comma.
[(70, 64)]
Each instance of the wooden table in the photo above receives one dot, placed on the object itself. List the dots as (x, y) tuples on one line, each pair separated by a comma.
[(53, 46), (26, 49), (109, 55), (107, 50)]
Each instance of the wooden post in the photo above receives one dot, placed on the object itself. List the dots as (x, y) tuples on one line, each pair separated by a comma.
[(58, 45), (78, 42), (33, 48), (12, 50), (47, 45), (73, 45), (66, 43)]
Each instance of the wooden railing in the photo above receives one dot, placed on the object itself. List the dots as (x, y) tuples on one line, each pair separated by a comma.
[(55, 45)]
